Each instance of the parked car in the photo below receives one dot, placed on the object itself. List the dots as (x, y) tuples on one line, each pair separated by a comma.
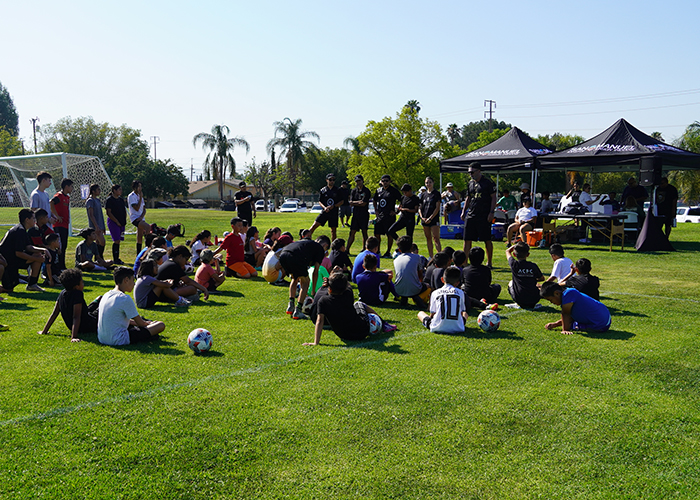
[(291, 206), (260, 206), (179, 203), (688, 214), (316, 209), (197, 203), (164, 204)]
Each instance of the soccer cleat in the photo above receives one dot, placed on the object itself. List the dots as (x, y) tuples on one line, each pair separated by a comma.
[(386, 255), (34, 288), (4, 328), (183, 302), (386, 327), (492, 307), (298, 314), (290, 308)]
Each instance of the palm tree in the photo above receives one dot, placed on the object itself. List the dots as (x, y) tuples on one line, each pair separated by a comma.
[(453, 133), (293, 144), (220, 157), (413, 105), (353, 144)]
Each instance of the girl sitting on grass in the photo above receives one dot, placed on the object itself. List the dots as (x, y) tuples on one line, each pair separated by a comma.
[(87, 250), (201, 242), (149, 290), (255, 252)]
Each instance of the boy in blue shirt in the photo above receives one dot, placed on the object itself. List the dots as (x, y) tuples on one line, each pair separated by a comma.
[(579, 312), (374, 286), (373, 248)]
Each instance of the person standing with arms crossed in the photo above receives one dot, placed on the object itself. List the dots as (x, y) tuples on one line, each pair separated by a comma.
[(137, 213), (429, 213), (329, 199), (478, 211), (116, 220), (244, 203), (359, 201), (385, 199)]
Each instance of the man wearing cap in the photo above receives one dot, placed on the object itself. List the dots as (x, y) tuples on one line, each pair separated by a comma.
[(359, 201), (478, 211), (329, 199), (525, 194), (385, 199), (344, 211), (244, 203)]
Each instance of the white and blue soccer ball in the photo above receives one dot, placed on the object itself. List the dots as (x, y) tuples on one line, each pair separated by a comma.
[(199, 340), (375, 324), (489, 321), (308, 302)]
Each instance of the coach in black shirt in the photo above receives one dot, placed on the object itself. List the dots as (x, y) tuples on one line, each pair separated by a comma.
[(385, 199)]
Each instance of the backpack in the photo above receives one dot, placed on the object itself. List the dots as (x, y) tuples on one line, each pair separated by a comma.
[(575, 208)]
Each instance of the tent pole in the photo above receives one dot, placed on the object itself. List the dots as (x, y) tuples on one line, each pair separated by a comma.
[(498, 176), (440, 182)]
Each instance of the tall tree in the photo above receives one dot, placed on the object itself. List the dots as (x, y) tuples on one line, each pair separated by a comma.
[(293, 144), (471, 131), (453, 133), (320, 162), (10, 145), (262, 177), (8, 113), (219, 160), (413, 105), (160, 178), (688, 181)]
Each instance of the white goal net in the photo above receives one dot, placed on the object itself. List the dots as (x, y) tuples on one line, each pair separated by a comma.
[(18, 180)]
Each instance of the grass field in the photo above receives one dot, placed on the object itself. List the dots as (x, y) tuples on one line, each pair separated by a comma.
[(521, 413)]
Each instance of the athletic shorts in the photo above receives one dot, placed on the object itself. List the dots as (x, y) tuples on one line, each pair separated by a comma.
[(360, 220), (477, 229), (331, 217), (139, 334), (426, 322), (345, 210), (241, 268), (292, 267), (250, 259), (151, 299), (434, 222), (381, 226), (136, 224), (115, 230)]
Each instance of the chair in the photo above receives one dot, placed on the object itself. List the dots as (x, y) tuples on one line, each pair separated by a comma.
[(511, 215), (630, 223), (618, 230)]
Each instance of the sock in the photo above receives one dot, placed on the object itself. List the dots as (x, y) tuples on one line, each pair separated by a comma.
[(33, 280), (101, 251), (138, 248), (115, 251)]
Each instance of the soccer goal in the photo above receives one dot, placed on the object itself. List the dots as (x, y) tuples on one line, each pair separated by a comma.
[(18, 180)]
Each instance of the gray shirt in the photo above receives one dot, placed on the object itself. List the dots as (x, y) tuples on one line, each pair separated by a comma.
[(143, 287), (116, 310), (40, 199), (406, 282), (96, 206)]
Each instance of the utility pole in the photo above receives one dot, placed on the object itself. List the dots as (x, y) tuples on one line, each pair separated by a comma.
[(492, 105), (156, 139), (191, 169), (34, 120)]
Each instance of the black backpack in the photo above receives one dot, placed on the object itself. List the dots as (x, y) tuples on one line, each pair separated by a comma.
[(575, 208)]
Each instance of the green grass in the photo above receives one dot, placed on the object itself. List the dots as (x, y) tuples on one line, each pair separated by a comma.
[(522, 413)]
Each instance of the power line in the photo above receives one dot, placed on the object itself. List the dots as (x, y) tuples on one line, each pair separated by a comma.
[(606, 100), (608, 111), (492, 104)]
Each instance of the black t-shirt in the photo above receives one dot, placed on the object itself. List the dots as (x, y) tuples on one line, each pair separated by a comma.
[(15, 240), (343, 194), (305, 252), (428, 274), (341, 314), (385, 201), (666, 199), (66, 300), (526, 274), (436, 278), (575, 195), (476, 281), (587, 284), (409, 202), (171, 271), (428, 202), (363, 195), (480, 194), (329, 197), (245, 210), (635, 192), (116, 205), (341, 259)]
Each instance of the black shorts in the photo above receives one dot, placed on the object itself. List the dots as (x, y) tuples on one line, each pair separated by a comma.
[(292, 266), (345, 210), (434, 222), (250, 259), (139, 334), (151, 299), (360, 220), (426, 322), (136, 224), (381, 226), (477, 229), (331, 217)]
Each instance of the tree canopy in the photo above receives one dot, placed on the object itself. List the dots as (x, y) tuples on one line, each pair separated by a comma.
[(10, 145), (470, 132), (160, 178), (293, 143), (8, 113), (688, 181), (219, 160)]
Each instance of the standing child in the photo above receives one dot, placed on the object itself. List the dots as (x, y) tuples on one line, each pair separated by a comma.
[(87, 250), (562, 265), (448, 310), (578, 310), (119, 322), (96, 219), (348, 319), (116, 220), (39, 197), (523, 287), (60, 208), (206, 275), (137, 212), (149, 290), (72, 307)]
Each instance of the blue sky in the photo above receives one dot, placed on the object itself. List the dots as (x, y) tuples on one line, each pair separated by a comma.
[(173, 69)]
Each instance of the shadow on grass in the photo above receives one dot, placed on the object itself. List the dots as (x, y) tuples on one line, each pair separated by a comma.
[(478, 333), (159, 346), (226, 293), (619, 312), (16, 306), (47, 296), (685, 246), (378, 343), (609, 335)]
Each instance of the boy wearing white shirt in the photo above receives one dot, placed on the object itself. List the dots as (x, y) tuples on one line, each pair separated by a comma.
[(448, 310), (137, 213), (562, 265), (524, 221)]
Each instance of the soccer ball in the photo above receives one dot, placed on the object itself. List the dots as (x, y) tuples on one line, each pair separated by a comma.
[(489, 321), (199, 340), (375, 324), (308, 302)]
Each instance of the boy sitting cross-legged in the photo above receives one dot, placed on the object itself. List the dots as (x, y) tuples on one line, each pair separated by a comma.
[(578, 310), (348, 319), (72, 307), (119, 322), (583, 280), (476, 282), (523, 287), (174, 270), (234, 244), (408, 281), (448, 310), (373, 286), (562, 265)]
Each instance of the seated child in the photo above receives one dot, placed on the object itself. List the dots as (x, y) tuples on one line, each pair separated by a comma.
[(174, 270), (476, 282), (448, 310), (87, 250), (272, 235), (546, 206), (562, 265), (583, 280), (201, 242), (372, 246), (612, 200), (152, 241), (348, 319), (524, 221), (71, 306), (459, 259), (206, 275), (271, 274), (255, 251), (339, 257), (19, 253), (433, 275), (323, 274), (119, 322), (52, 265), (374, 286), (408, 281), (523, 287), (39, 232), (578, 310), (149, 290), (172, 232), (234, 245), (423, 260)]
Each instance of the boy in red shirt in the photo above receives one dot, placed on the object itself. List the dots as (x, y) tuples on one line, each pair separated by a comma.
[(60, 208), (235, 252)]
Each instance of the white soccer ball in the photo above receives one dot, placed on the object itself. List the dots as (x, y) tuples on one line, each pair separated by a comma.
[(375, 324), (489, 321), (308, 302), (199, 340)]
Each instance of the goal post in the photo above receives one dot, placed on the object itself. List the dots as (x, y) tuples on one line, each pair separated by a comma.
[(18, 180)]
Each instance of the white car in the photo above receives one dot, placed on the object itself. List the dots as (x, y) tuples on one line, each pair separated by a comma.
[(291, 206), (316, 209), (688, 214), (260, 206)]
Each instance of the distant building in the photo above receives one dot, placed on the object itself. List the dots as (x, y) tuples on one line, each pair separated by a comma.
[(209, 190)]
